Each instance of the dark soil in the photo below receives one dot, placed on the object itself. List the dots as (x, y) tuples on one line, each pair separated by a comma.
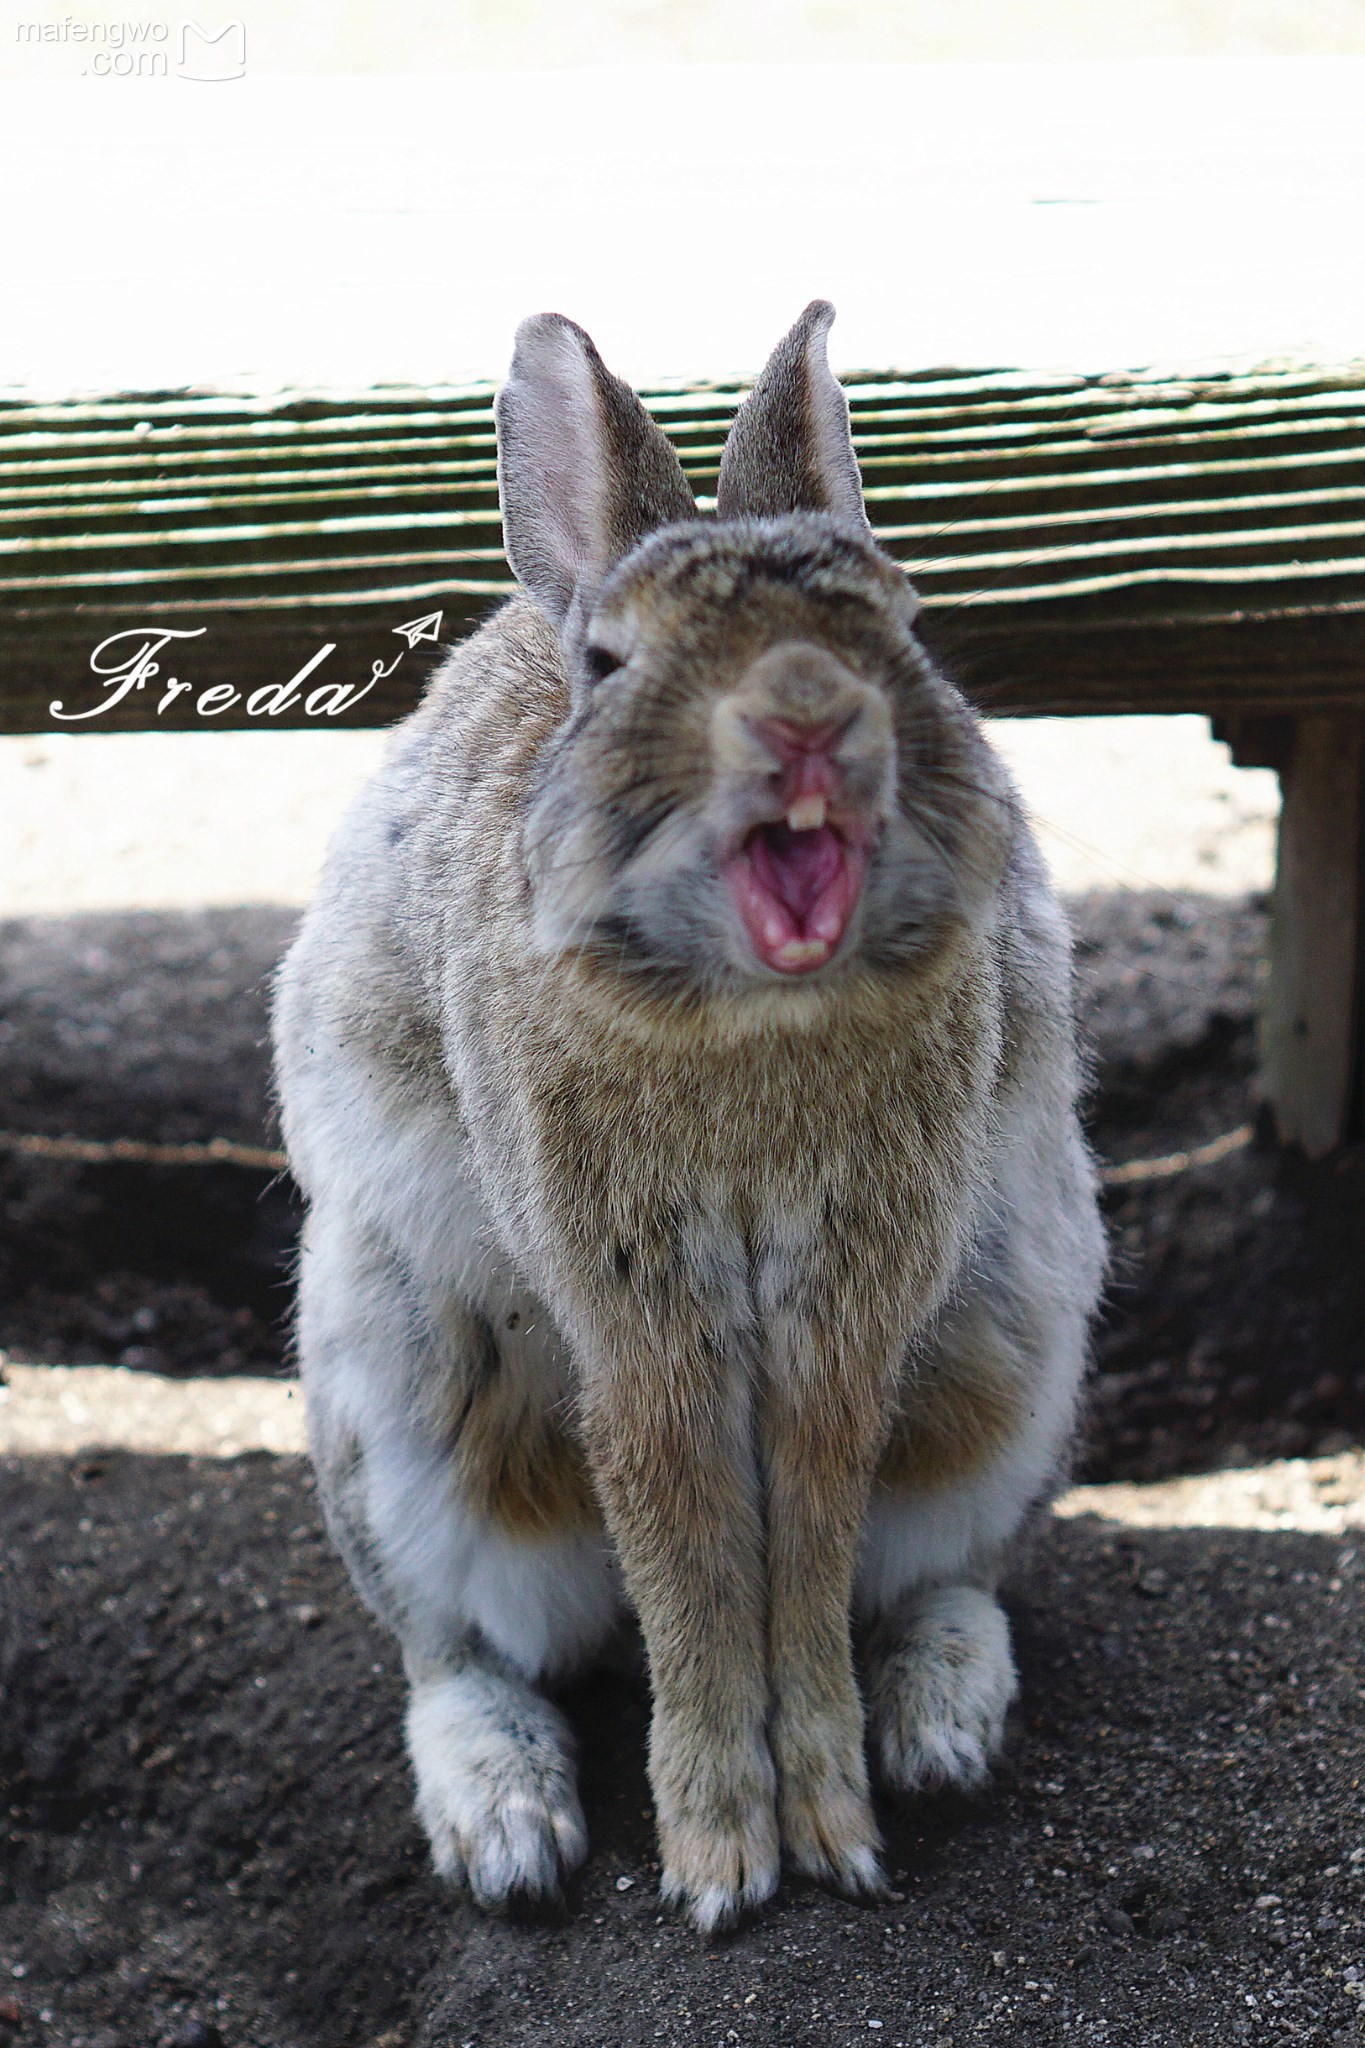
[(209, 1822), (208, 1816), (150, 1025)]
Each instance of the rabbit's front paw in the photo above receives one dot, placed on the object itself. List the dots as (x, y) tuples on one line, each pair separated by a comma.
[(719, 1842), (827, 1826), (495, 1788), (941, 1680)]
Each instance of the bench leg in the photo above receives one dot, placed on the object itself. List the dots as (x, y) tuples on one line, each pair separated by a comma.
[(1313, 1023)]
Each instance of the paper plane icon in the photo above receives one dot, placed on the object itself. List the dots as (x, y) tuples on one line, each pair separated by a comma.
[(420, 629)]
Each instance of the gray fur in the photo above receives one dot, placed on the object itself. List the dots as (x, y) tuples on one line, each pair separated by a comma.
[(790, 449), (637, 1274), (583, 472)]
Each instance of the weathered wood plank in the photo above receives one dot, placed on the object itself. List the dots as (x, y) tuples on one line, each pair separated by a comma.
[(1081, 543)]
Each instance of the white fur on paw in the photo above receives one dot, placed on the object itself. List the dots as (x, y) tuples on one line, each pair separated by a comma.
[(827, 1826), (941, 1683), (718, 1880), (720, 1852), (495, 1786), (852, 1867)]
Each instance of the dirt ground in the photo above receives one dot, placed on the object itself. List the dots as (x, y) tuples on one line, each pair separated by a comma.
[(209, 1835), (210, 1839)]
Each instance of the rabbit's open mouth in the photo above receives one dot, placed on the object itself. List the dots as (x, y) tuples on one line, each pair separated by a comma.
[(796, 892)]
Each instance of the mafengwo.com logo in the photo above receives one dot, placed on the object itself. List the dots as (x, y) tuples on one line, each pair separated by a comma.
[(207, 54)]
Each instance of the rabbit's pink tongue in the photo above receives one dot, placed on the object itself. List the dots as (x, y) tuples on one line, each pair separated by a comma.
[(796, 892)]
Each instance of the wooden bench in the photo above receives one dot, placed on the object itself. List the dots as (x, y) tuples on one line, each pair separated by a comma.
[(1083, 544)]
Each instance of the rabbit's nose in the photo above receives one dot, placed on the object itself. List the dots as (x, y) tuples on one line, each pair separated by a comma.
[(806, 754), (791, 738)]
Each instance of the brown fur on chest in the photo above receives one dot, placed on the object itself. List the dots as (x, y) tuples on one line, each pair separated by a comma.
[(873, 1126)]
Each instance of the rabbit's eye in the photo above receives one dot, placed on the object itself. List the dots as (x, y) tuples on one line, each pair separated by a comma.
[(600, 662)]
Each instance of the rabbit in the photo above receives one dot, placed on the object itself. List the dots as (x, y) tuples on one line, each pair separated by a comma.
[(679, 1067)]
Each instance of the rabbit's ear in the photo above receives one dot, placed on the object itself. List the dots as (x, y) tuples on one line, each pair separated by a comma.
[(583, 472), (790, 448)]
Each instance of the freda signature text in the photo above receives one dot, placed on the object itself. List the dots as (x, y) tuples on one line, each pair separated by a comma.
[(130, 660)]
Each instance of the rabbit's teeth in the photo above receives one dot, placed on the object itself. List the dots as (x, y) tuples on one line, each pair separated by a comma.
[(802, 953), (808, 813)]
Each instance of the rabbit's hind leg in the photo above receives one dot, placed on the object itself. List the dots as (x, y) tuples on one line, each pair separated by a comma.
[(445, 1488), (983, 1417), (940, 1679), (493, 1761), (939, 1673)]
